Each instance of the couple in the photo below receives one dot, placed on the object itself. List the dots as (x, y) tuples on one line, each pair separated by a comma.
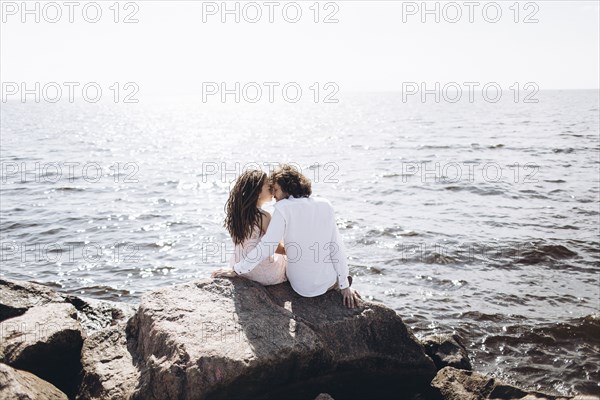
[(300, 242)]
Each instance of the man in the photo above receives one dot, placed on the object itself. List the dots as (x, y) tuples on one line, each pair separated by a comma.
[(315, 251)]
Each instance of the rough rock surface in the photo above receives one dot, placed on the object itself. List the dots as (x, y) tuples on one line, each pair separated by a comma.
[(108, 370), (96, 315), (447, 351), (457, 384), (22, 385), (224, 338), (324, 396), (46, 341), (16, 297), (43, 332), (229, 338)]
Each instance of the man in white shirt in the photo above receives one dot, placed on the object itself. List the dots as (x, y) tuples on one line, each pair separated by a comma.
[(315, 251)]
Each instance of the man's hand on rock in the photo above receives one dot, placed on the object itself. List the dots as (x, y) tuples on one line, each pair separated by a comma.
[(351, 297), (223, 273)]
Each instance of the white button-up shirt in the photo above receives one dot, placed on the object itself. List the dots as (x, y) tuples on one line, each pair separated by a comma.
[(315, 251)]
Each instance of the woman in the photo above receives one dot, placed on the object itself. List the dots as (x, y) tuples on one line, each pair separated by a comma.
[(247, 222)]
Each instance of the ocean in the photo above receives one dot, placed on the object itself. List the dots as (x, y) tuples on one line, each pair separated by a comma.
[(475, 218)]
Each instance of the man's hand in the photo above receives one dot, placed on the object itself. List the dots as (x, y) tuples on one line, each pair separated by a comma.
[(351, 297), (223, 273)]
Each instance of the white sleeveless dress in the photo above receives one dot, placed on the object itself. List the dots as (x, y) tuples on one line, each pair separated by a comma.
[(269, 272)]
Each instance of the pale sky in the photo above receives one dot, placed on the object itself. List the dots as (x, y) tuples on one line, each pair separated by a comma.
[(171, 51)]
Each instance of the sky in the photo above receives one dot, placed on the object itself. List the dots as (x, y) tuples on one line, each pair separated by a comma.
[(176, 46)]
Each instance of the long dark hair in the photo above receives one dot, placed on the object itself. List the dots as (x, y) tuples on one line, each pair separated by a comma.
[(241, 213)]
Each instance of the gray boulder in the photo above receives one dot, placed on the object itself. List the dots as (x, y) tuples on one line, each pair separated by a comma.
[(22, 385), (457, 384), (46, 340), (97, 315), (66, 340), (324, 396), (108, 370), (447, 351), (233, 338), (16, 297)]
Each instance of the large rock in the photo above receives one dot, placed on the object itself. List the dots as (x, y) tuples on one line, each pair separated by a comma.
[(456, 384), (42, 329), (108, 370), (324, 396), (16, 297), (97, 315), (22, 385), (447, 351), (235, 338), (46, 340)]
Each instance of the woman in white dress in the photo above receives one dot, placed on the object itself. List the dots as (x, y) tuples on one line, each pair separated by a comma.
[(247, 222)]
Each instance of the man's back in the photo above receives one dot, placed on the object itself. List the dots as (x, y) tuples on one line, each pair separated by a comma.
[(311, 244), (315, 251)]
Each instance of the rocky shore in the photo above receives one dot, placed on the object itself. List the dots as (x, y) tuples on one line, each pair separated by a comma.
[(226, 339)]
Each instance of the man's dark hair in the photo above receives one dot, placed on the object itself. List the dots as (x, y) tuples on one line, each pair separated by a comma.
[(291, 181)]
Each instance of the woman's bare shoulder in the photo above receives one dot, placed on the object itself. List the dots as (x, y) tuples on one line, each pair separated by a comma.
[(264, 220), (264, 213)]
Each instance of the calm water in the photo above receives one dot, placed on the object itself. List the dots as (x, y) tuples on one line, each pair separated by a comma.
[(501, 245)]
